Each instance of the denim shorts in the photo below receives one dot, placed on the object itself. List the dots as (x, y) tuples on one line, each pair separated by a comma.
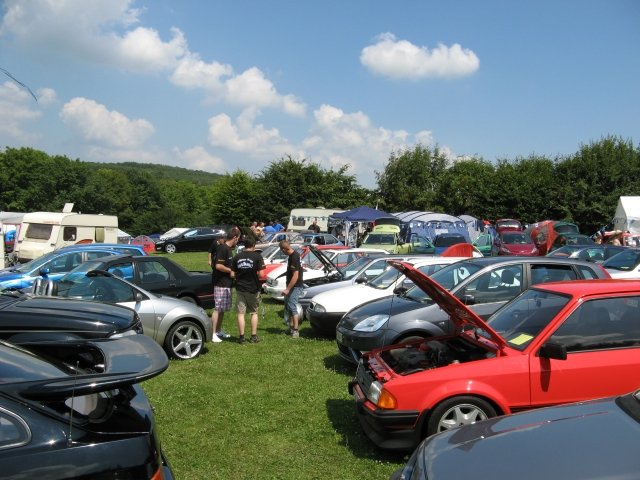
[(291, 300)]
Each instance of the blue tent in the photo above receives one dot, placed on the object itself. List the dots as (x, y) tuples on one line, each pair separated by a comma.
[(361, 214)]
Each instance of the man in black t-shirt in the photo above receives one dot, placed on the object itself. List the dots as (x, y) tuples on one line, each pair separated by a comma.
[(246, 266), (222, 283), (293, 287), (314, 227)]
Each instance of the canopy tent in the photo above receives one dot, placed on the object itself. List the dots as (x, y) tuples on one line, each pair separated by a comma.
[(430, 224), (627, 217), (355, 217)]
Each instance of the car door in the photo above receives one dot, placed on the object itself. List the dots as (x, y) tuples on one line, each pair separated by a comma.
[(155, 277), (144, 307), (602, 338)]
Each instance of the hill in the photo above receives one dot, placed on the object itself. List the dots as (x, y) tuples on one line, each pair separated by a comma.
[(160, 172)]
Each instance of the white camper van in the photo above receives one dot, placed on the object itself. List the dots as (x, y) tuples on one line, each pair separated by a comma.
[(301, 218), (43, 232)]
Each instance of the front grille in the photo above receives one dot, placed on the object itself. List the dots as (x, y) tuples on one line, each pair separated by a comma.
[(364, 377)]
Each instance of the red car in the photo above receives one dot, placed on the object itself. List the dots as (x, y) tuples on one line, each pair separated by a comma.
[(508, 224), (555, 343), (515, 243)]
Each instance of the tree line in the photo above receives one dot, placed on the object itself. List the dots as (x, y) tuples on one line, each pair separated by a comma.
[(582, 188)]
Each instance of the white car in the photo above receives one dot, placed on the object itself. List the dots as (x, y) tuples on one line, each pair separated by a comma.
[(327, 308), (625, 264), (315, 266)]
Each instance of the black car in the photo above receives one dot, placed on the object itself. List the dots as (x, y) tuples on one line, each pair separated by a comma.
[(24, 318), (565, 442), (157, 275), (590, 253), (74, 410), (193, 240), (485, 284)]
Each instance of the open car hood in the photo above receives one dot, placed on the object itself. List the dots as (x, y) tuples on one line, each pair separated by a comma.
[(328, 265), (104, 364), (458, 312)]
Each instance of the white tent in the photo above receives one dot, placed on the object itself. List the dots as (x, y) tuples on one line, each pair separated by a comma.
[(627, 217)]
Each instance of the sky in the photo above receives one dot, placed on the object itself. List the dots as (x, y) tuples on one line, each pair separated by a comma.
[(222, 86)]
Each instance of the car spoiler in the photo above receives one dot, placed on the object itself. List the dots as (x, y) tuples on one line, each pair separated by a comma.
[(124, 361)]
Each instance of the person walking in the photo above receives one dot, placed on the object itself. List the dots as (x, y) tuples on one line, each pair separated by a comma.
[(222, 283), (293, 287), (246, 265)]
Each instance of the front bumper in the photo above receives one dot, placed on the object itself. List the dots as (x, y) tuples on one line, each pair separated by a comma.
[(388, 429), (351, 343), (324, 322), (275, 292)]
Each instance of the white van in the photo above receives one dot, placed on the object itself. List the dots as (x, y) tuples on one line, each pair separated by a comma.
[(301, 218), (43, 232)]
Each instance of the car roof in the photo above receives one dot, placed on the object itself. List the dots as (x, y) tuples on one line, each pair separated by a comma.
[(578, 288), (506, 259)]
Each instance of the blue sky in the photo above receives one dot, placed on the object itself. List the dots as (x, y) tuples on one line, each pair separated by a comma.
[(226, 85)]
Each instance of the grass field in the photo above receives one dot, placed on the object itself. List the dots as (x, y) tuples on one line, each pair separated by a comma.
[(278, 409)]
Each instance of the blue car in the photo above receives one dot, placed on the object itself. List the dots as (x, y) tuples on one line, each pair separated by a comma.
[(51, 265), (130, 248)]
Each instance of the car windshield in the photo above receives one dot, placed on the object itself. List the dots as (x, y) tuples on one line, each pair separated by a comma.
[(270, 251), (522, 319), (515, 238), (34, 265), (508, 224), (348, 271), (88, 266), (448, 277), (448, 240), (385, 279), (625, 261), (379, 239), (89, 286), (565, 251)]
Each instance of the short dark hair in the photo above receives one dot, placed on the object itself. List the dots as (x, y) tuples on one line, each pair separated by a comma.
[(233, 233), (249, 242)]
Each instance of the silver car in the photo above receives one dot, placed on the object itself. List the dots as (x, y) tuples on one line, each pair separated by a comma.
[(181, 327)]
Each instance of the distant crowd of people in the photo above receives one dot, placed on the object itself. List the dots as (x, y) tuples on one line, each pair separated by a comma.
[(244, 269)]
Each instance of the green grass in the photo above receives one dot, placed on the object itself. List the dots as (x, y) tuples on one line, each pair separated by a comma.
[(278, 409)]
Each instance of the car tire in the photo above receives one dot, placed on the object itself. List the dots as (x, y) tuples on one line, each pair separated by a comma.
[(457, 411), (185, 340), (170, 248)]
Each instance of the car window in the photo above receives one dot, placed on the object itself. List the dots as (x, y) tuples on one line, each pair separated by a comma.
[(153, 272), (541, 273), (499, 285), (13, 430), (65, 263), (94, 255), (122, 270), (601, 324)]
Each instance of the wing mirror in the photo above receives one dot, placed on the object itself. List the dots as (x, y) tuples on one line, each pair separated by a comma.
[(362, 279), (139, 297), (553, 350), (468, 299)]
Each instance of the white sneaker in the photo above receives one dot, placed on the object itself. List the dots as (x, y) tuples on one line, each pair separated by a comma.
[(223, 334), (215, 339)]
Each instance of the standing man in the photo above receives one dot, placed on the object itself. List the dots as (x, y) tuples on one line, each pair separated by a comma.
[(294, 286), (246, 266), (222, 283), (314, 227)]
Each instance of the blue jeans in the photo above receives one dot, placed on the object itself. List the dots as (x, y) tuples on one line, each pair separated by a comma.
[(291, 300)]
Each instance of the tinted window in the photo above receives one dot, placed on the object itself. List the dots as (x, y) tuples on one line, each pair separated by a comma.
[(13, 430), (153, 272), (601, 324), (541, 273), (122, 270), (498, 285)]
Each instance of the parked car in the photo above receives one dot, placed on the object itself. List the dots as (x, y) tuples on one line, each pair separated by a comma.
[(327, 308), (51, 265), (192, 240), (485, 243), (319, 266), (484, 284), (508, 225), (565, 442), (555, 343), (75, 410), (157, 274), (130, 248), (274, 238), (563, 239), (589, 253), (182, 328), (320, 239), (25, 318), (625, 264), (443, 241), (514, 243)]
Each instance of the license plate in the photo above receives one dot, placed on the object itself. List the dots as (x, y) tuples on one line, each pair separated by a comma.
[(339, 337)]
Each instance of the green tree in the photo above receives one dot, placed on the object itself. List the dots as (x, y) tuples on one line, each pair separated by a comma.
[(234, 199), (467, 188)]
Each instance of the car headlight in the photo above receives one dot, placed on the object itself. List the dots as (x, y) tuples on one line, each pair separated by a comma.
[(371, 324), (319, 308), (374, 392), (126, 333)]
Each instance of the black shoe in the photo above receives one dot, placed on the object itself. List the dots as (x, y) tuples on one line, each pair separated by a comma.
[(241, 340), (254, 339)]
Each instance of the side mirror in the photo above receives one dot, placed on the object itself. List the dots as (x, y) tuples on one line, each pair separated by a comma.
[(553, 350), (44, 271), (362, 279), (399, 290), (139, 297), (468, 299)]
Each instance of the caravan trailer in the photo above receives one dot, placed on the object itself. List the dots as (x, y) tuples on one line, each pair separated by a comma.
[(301, 218), (43, 232)]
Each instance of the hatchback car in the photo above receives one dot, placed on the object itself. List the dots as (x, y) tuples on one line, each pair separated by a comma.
[(443, 241), (515, 243), (590, 253), (554, 442), (555, 343), (484, 284), (193, 240), (625, 264), (75, 410), (182, 328)]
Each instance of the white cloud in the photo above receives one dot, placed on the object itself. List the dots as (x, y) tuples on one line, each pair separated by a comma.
[(91, 32), (247, 137), (46, 96), (198, 158), (111, 128), (17, 104), (400, 59)]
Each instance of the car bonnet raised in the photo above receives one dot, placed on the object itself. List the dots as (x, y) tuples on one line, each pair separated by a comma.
[(460, 315)]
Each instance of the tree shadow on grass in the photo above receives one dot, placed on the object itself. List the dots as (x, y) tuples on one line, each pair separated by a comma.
[(342, 415), (339, 365)]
